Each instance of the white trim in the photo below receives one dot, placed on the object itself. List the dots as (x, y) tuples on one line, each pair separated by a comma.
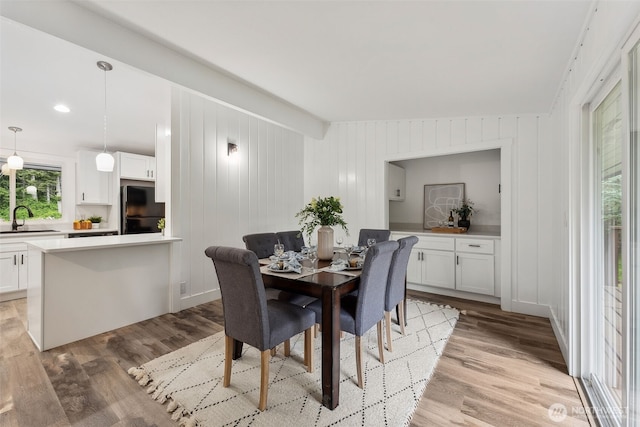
[(532, 309), (193, 300)]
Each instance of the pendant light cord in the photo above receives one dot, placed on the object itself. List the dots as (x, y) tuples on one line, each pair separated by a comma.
[(105, 111)]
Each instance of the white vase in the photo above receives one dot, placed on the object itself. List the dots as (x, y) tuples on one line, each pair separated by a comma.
[(325, 243)]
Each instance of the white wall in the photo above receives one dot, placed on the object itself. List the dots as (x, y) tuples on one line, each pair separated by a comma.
[(349, 162), (597, 53), (217, 200), (479, 171)]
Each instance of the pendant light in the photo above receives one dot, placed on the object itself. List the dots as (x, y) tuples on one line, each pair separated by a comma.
[(104, 160), (14, 161)]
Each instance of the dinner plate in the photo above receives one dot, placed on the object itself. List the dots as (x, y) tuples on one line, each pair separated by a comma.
[(277, 270), (353, 268)]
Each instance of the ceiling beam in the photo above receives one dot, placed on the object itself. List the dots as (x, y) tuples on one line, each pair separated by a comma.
[(81, 26)]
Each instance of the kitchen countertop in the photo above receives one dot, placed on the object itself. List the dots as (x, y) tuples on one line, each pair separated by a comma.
[(472, 233), (102, 242), (56, 231)]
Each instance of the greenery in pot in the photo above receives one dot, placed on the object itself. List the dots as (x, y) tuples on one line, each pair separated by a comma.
[(465, 210), (161, 224), (319, 212), (95, 219)]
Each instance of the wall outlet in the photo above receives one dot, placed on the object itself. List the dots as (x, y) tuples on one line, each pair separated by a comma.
[(183, 288)]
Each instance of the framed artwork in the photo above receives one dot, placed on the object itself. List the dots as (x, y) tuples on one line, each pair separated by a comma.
[(439, 200)]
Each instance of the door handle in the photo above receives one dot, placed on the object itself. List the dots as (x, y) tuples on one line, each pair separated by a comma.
[(457, 260), (15, 259), (22, 259)]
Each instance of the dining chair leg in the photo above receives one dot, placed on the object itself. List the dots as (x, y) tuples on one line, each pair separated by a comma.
[(401, 317), (228, 356), (308, 348), (387, 324), (273, 351), (380, 346), (264, 378), (287, 348), (359, 361)]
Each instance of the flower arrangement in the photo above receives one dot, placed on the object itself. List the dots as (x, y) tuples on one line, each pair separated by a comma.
[(466, 209), (319, 212)]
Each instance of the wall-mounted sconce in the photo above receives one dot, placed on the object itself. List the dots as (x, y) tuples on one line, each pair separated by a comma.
[(232, 148)]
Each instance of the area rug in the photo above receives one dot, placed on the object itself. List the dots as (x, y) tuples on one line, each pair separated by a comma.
[(189, 380)]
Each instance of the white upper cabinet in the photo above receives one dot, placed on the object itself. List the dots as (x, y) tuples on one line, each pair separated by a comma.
[(137, 166), (396, 183), (92, 186)]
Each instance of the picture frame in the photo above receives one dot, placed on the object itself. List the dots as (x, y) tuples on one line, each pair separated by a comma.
[(439, 201)]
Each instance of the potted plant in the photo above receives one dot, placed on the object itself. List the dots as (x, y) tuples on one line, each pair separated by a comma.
[(95, 221), (464, 212), (161, 225), (324, 212)]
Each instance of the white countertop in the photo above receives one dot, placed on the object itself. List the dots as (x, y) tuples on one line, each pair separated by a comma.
[(101, 242), (56, 231), (480, 234)]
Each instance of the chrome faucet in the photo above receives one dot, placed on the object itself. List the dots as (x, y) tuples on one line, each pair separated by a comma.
[(14, 224)]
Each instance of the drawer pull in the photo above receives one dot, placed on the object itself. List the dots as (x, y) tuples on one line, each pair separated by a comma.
[(474, 246)]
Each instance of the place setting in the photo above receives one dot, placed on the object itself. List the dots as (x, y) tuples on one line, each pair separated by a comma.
[(289, 263)]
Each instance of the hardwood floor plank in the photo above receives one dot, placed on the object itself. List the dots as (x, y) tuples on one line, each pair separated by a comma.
[(498, 369)]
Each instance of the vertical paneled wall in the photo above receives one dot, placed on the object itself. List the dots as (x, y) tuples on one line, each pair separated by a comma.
[(221, 198), (349, 162), (596, 56)]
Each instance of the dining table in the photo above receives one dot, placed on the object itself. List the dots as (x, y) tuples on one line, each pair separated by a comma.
[(329, 286)]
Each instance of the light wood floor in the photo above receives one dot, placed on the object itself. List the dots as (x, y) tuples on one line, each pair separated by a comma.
[(498, 368)]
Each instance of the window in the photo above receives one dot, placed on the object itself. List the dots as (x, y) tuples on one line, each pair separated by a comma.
[(36, 186)]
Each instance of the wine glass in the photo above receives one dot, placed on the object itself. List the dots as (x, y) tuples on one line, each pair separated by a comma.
[(313, 257), (339, 240), (348, 248), (371, 242), (278, 250)]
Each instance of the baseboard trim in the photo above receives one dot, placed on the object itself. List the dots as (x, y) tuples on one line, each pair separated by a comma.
[(562, 342), (454, 293), (540, 310), (193, 300), (11, 295)]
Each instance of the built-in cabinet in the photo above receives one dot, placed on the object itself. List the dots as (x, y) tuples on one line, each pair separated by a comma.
[(395, 182), (92, 186), (137, 166), (13, 267), (457, 263)]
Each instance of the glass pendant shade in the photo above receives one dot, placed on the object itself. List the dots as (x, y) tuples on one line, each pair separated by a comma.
[(105, 162)]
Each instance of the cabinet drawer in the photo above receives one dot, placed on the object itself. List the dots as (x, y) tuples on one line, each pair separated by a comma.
[(474, 246), (436, 243)]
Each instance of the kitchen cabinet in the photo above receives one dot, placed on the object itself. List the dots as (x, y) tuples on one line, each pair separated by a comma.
[(456, 263), (137, 166), (475, 266), (432, 262), (395, 182), (92, 186), (13, 267)]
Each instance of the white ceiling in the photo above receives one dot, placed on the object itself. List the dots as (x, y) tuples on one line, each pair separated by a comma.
[(338, 60)]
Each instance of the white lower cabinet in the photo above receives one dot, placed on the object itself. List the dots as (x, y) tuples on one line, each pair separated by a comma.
[(464, 264), (13, 268)]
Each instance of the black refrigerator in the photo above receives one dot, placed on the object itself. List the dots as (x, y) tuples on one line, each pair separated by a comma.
[(140, 211)]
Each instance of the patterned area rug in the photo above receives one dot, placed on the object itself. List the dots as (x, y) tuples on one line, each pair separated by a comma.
[(189, 380)]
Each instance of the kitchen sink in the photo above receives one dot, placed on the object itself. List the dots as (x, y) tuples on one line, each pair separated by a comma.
[(27, 231)]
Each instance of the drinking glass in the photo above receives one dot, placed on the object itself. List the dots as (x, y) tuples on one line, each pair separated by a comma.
[(339, 240), (371, 242), (278, 249), (348, 248), (313, 257)]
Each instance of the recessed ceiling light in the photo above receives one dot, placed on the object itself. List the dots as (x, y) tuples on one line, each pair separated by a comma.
[(61, 108)]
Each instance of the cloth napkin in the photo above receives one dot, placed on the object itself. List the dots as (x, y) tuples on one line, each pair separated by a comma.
[(292, 261), (338, 265)]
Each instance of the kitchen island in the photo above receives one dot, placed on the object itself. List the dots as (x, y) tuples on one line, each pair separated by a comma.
[(78, 288)]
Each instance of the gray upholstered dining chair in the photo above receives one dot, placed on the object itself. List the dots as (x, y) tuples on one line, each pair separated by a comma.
[(369, 233), (396, 284), (358, 313), (260, 243), (252, 319), (292, 240)]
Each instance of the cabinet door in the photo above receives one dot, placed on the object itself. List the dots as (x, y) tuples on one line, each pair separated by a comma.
[(395, 182), (475, 273), (137, 166), (92, 186), (414, 268), (8, 271), (438, 269)]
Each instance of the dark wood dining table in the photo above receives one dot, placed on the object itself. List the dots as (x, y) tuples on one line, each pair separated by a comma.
[(329, 287)]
